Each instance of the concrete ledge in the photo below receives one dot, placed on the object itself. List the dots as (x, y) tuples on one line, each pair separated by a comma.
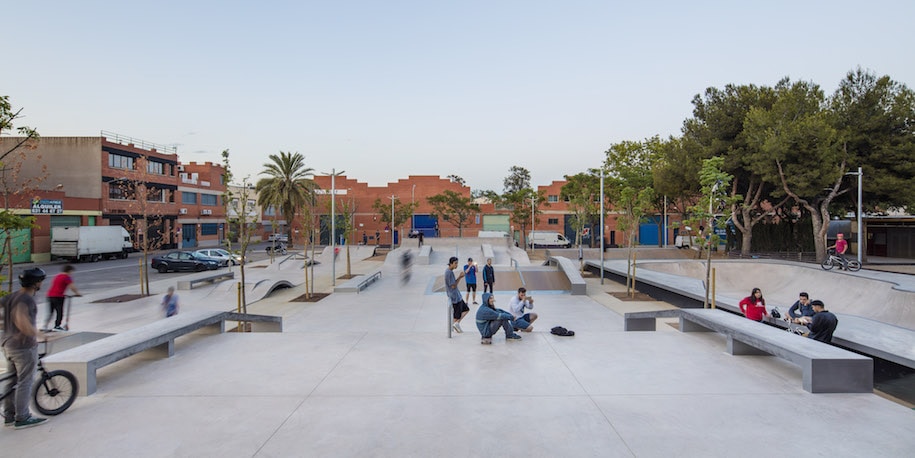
[(826, 369), (424, 253), (487, 252), (579, 287), (357, 284), (648, 320), (191, 284)]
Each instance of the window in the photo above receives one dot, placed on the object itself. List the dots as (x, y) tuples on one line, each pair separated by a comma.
[(118, 191), (188, 197), (155, 167), (120, 162), (552, 221), (209, 200), (552, 198), (155, 195), (270, 211), (209, 229)]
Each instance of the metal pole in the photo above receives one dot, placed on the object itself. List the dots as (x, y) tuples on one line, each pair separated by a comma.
[(413, 213), (392, 221), (602, 226), (333, 225), (860, 227)]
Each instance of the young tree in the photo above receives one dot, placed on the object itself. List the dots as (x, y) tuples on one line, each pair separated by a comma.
[(453, 207), (144, 213), (241, 216), (401, 213), (12, 185), (582, 191), (715, 199)]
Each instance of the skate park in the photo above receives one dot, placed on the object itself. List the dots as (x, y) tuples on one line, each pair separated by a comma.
[(375, 373)]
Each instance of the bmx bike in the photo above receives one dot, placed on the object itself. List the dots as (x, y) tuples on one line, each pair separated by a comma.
[(833, 260), (53, 392)]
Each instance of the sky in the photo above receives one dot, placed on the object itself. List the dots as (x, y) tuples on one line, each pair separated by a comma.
[(386, 89)]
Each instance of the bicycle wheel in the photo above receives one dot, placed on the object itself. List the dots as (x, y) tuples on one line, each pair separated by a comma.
[(854, 266), (55, 392), (827, 264)]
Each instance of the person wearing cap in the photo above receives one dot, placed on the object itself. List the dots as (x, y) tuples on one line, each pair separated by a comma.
[(459, 307), (20, 345), (841, 246), (490, 319), (823, 324)]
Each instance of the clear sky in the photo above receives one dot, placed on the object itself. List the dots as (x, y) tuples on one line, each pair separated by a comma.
[(387, 89)]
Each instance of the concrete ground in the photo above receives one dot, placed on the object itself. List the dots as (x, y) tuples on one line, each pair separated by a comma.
[(374, 374)]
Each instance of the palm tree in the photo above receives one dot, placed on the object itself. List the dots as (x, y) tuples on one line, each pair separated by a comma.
[(288, 185)]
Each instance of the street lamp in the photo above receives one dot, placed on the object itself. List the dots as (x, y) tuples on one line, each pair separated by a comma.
[(392, 220), (602, 225), (860, 175), (333, 226), (413, 213)]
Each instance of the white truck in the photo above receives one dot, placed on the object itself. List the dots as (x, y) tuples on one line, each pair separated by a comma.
[(90, 243), (547, 239)]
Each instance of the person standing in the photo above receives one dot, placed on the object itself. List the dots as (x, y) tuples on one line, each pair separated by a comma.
[(170, 302), (823, 324), (754, 306), (57, 295), (490, 319), (459, 306), (420, 237), (489, 277), (519, 302), (470, 277), (20, 345)]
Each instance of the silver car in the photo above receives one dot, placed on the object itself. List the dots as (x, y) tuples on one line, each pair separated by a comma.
[(220, 255)]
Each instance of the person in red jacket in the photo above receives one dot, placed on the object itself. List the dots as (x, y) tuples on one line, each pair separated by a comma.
[(754, 306), (57, 294)]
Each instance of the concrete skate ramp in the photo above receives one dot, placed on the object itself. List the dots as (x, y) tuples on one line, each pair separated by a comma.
[(539, 280), (842, 292)]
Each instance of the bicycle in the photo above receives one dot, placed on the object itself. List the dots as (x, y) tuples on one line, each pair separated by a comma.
[(834, 260), (53, 391)]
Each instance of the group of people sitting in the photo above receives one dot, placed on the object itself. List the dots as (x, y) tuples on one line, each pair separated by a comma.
[(489, 319), (813, 314)]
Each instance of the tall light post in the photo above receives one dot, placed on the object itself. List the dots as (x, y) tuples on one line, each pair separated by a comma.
[(532, 219), (860, 175), (333, 226), (602, 225), (392, 220), (413, 213)]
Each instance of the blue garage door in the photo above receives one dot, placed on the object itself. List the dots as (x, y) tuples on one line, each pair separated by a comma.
[(426, 224)]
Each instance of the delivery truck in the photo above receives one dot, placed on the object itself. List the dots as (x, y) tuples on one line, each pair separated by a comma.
[(547, 239), (90, 243)]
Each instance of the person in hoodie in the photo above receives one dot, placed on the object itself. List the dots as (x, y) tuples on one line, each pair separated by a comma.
[(490, 319)]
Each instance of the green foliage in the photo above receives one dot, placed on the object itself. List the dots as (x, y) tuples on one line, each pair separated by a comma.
[(519, 178), (287, 187), (582, 191), (454, 208), (402, 211)]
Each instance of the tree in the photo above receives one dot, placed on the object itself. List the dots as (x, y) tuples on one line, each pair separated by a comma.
[(714, 183), (287, 187), (519, 178), (11, 185), (582, 191), (453, 207), (523, 205), (798, 136), (457, 179), (401, 213), (241, 216)]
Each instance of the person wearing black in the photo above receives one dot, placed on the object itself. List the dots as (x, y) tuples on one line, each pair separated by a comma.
[(489, 277), (823, 323), (20, 346)]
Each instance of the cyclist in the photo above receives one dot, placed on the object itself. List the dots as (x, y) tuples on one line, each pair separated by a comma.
[(20, 345), (841, 246)]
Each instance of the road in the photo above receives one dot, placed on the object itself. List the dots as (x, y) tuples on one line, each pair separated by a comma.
[(94, 277)]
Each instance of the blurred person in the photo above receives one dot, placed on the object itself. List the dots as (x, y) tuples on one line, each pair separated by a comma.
[(57, 295), (170, 302), (20, 346)]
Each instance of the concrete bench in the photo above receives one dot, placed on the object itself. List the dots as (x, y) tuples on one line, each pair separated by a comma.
[(83, 361), (579, 287), (357, 284), (647, 320), (826, 369), (191, 284), (424, 253)]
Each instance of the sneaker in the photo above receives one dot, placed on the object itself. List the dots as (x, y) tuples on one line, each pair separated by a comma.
[(457, 327), (28, 423), (58, 328), (8, 421), (513, 337), (486, 341), (475, 302)]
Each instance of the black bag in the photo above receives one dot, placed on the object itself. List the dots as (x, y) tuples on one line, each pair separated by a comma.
[(775, 313), (561, 331)]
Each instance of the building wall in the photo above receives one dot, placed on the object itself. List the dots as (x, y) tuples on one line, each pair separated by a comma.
[(63, 163), (202, 223)]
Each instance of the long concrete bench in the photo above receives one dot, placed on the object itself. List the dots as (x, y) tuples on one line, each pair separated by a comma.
[(191, 284), (579, 287), (826, 369), (83, 361), (647, 320), (357, 284), (424, 253)]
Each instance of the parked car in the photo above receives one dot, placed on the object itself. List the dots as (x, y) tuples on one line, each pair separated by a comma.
[(278, 238), (183, 260), (222, 256)]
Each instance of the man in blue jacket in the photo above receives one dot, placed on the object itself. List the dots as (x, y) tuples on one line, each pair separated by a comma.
[(490, 319)]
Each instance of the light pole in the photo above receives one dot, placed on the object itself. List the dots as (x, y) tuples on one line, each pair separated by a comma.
[(860, 175), (602, 225), (413, 213), (333, 226), (392, 220), (532, 219)]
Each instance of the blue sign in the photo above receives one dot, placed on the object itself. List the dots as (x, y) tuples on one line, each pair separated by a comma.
[(47, 206)]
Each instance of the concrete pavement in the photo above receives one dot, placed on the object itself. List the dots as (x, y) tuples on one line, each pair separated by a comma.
[(374, 374)]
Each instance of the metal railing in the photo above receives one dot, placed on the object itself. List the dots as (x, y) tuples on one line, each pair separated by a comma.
[(139, 143)]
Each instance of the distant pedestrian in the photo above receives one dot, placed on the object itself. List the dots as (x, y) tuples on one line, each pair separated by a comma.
[(823, 324), (365, 238), (420, 237), (170, 302), (459, 306), (754, 306), (470, 278), (377, 238), (489, 277), (57, 294)]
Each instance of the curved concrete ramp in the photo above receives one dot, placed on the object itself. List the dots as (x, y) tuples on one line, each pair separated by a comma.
[(842, 292), (535, 280)]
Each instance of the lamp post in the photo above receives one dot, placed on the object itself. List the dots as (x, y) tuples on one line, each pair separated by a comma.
[(413, 213), (602, 225), (860, 175), (532, 219), (392, 220), (333, 226)]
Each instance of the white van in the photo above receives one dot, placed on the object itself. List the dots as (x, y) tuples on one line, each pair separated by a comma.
[(547, 239)]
